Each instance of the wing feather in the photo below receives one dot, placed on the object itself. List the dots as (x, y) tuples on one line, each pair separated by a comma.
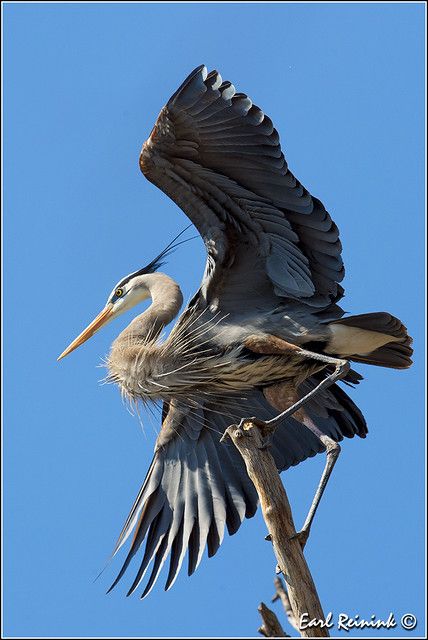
[(218, 156), (198, 486)]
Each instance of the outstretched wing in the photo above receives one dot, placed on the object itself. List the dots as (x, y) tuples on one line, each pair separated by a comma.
[(218, 156), (197, 486)]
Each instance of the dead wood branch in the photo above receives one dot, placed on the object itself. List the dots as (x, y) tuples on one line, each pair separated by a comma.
[(281, 594), (250, 440), (271, 627)]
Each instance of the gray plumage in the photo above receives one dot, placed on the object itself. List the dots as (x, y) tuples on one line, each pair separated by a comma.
[(272, 278)]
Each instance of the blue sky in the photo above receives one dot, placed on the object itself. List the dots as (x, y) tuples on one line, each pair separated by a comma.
[(83, 85)]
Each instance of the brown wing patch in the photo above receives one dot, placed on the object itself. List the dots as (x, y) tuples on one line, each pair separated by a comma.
[(268, 344)]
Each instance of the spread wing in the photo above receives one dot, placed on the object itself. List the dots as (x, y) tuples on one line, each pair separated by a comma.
[(218, 156), (197, 486)]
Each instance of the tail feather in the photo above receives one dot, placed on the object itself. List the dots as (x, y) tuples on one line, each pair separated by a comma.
[(379, 339), (392, 355)]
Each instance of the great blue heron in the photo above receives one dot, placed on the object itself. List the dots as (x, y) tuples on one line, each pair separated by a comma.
[(263, 334)]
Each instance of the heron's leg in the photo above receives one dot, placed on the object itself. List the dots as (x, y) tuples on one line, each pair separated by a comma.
[(333, 450), (284, 395), (341, 369), (277, 346), (331, 446), (274, 345)]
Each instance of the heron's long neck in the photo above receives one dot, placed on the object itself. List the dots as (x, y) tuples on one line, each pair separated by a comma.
[(166, 301)]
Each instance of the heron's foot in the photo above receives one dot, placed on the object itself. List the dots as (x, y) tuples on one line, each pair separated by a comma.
[(239, 429), (265, 429), (244, 422), (244, 425), (302, 536)]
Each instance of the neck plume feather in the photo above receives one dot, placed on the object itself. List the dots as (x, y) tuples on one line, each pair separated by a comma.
[(166, 302)]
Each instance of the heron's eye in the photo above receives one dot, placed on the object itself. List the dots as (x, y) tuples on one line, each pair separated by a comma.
[(118, 293)]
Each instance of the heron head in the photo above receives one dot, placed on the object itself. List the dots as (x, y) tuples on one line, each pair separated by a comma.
[(128, 292)]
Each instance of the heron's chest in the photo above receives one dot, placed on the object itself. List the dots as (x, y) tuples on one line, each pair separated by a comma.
[(155, 376)]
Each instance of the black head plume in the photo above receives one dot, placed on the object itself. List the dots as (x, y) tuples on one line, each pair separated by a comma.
[(160, 260)]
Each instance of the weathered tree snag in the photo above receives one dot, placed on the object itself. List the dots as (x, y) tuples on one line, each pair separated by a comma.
[(271, 627), (281, 594), (250, 440)]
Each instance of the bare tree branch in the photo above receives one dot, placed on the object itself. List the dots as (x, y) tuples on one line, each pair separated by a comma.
[(281, 594), (271, 627), (250, 440)]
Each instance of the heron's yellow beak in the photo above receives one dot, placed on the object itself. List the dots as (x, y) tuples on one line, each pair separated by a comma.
[(96, 324)]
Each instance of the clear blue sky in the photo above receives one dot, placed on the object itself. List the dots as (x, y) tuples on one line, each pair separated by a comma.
[(83, 85)]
